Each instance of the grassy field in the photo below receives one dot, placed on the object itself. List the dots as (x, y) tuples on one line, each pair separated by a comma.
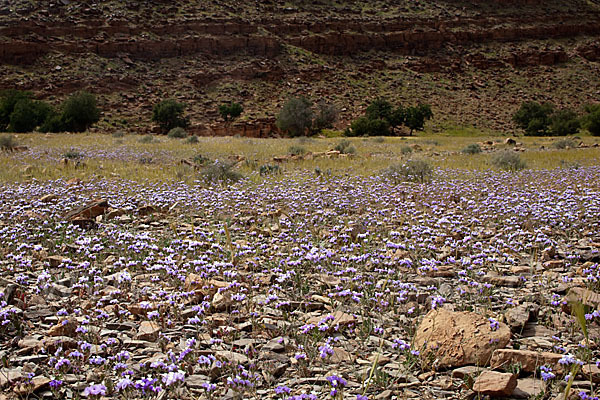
[(154, 158)]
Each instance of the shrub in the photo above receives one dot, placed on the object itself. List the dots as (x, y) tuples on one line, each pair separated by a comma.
[(72, 154), (415, 117), (221, 172), (564, 143), (406, 150), (296, 150), (8, 101), (508, 161), (592, 119), (231, 111), (534, 118), (177, 133), (326, 116), (412, 171), (564, 122), (364, 126), (296, 117), (268, 169), (118, 134), (7, 142), (169, 114), (473, 148), (146, 139), (345, 147), (28, 115), (200, 159), (193, 139), (79, 112), (53, 123)]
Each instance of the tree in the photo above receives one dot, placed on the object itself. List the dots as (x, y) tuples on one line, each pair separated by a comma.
[(231, 111), (296, 117), (28, 115), (592, 119), (169, 114), (79, 112), (564, 122), (415, 117), (382, 109), (534, 118), (8, 101), (326, 116), (365, 126)]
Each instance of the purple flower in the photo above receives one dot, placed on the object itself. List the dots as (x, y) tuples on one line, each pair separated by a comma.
[(95, 390), (494, 325), (282, 390)]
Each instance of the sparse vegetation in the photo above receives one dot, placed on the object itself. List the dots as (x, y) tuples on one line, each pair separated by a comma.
[(296, 150), (419, 171), (382, 119), (565, 143), (221, 172), (345, 147), (508, 161), (296, 117), (473, 148)]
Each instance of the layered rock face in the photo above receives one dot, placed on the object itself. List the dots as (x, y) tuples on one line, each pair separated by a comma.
[(258, 51)]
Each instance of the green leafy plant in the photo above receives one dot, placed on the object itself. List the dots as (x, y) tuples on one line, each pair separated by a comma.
[(534, 118), (79, 112), (169, 114), (565, 143), (296, 117), (564, 122), (230, 111), (296, 150), (591, 121), (221, 172), (7, 142)]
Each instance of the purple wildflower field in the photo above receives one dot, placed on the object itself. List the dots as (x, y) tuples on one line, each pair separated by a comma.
[(302, 287)]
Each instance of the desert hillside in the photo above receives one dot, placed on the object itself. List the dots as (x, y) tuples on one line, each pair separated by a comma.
[(473, 61)]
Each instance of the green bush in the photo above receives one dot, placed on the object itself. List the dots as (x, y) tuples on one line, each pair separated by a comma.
[(146, 139), (564, 122), (28, 115), (221, 172), (296, 117), (169, 114), (508, 161), (365, 126), (592, 119), (326, 116), (79, 112), (177, 133), (473, 148), (118, 134), (406, 150), (345, 147), (72, 154), (415, 117), (564, 143), (8, 101), (268, 169), (419, 171), (7, 142), (19, 113), (296, 150), (200, 159), (193, 139), (231, 111), (534, 118)]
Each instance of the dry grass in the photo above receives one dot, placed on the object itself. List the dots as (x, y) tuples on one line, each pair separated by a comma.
[(127, 158)]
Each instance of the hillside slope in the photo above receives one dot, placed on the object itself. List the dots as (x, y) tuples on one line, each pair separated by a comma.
[(474, 61)]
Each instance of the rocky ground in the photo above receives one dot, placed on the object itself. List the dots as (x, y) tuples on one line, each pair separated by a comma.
[(306, 287), (475, 62)]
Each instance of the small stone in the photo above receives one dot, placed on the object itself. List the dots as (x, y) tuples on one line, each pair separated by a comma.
[(529, 360), (148, 331), (65, 327), (495, 384)]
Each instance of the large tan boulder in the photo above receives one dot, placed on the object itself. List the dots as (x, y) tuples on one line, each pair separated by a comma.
[(459, 338)]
